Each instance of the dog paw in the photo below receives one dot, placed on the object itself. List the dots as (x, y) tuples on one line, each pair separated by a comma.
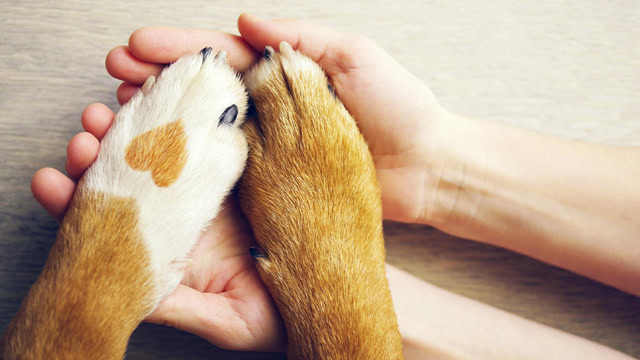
[(308, 162), (173, 152), (311, 196), (309, 189)]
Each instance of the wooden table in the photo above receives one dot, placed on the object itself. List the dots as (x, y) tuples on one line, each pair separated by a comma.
[(567, 69)]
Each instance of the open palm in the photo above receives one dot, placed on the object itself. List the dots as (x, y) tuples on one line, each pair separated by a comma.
[(221, 297)]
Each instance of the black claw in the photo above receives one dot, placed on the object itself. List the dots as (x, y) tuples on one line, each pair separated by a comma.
[(256, 253), (229, 115), (331, 90), (267, 53), (251, 108), (205, 52)]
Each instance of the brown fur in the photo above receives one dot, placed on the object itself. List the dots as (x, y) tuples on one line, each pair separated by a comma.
[(93, 291), (312, 198), (162, 150)]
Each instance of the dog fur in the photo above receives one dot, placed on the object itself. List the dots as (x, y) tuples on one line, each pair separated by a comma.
[(312, 199), (172, 155)]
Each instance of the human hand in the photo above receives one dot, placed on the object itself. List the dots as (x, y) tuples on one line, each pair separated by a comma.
[(397, 114), (221, 297)]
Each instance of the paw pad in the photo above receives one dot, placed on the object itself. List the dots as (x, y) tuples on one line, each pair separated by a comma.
[(162, 150)]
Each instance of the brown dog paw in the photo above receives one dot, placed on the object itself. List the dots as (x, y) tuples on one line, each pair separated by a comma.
[(311, 195)]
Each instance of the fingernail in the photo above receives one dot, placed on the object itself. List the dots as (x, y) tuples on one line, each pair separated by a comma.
[(253, 17)]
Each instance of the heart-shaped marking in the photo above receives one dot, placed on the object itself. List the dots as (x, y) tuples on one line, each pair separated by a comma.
[(162, 150)]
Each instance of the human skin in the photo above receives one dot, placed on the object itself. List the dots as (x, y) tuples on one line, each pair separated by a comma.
[(424, 148)]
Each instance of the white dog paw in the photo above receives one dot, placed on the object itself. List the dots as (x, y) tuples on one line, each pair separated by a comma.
[(176, 149)]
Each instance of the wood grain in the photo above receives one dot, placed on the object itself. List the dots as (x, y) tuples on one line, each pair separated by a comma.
[(565, 68)]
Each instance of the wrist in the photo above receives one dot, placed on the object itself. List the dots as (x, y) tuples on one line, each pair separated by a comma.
[(480, 180), (453, 173), (475, 178)]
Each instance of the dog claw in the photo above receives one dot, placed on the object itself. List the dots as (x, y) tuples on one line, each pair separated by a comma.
[(148, 84), (332, 90), (221, 56), (286, 48), (257, 253), (268, 51), (229, 115), (205, 52)]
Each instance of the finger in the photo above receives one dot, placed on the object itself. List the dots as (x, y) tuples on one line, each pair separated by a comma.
[(53, 191), (96, 119), (121, 64), (323, 45), (160, 44), (81, 153), (177, 309), (125, 92)]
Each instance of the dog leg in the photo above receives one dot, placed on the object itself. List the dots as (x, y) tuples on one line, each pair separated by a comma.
[(311, 195), (172, 155)]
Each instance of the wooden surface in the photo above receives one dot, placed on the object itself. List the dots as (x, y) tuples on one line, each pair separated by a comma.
[(570, 68)]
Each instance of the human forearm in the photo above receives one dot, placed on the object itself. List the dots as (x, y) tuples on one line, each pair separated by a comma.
[(568, 203), (437, 324)]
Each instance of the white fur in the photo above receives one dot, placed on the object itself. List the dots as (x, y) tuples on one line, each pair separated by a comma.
[(172, 217), (288, 59)]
